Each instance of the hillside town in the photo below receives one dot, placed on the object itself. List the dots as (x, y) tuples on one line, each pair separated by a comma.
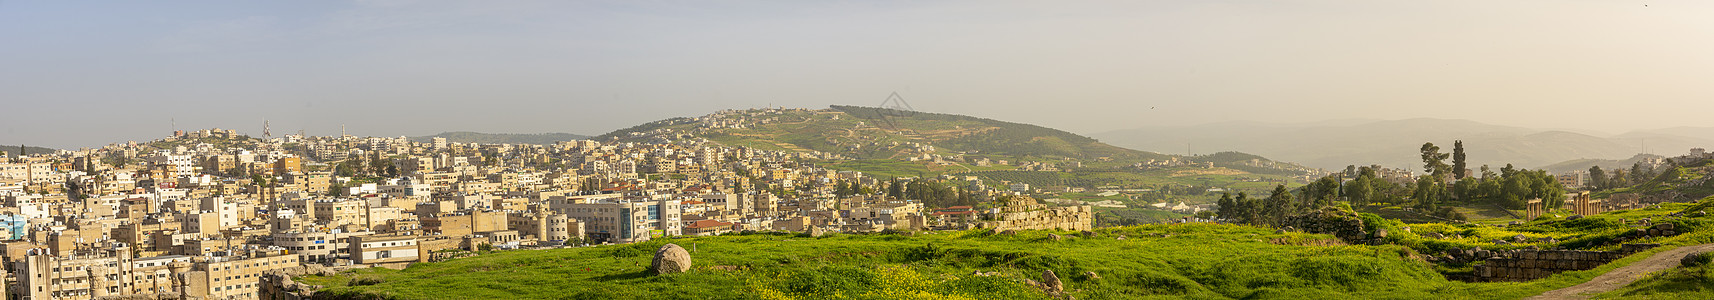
[(209, 214)]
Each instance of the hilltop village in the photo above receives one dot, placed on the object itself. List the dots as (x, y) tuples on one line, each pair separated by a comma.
[(207, 213)]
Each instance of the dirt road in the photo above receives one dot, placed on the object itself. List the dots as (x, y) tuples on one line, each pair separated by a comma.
[(1624, 275)]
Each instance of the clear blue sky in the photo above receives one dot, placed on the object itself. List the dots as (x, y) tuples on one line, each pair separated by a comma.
[(87, 73)]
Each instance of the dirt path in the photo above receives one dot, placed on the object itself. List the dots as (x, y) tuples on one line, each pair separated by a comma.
[(1624, 275)]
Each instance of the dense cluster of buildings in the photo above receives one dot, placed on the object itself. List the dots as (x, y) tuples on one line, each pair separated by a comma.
[(206, 213)]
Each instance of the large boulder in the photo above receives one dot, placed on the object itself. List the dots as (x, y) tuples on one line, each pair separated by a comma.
[(670, 259), (1050, 282), (1695, 259)]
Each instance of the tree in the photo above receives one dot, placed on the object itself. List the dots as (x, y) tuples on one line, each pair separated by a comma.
[(1597, 178), (1618, 179), (344, 169), (1359, 190), (1467, 189), (1320, 193), (1640, 173), (334, 189), (1277, 205), (896, 189), (1433, 161), (1227, 208), (1252, 209), (1517, 190), (1458, 163), (1427, 191)]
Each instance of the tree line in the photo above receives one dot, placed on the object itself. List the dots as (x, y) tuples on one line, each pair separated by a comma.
[(1442, 185)]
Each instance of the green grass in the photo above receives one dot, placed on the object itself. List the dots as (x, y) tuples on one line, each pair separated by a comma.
[(1677, 283), (1198, 261), (1108, 215), (1203, 261)]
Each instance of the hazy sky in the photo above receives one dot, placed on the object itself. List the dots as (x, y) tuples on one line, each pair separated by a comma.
[(86, 73)]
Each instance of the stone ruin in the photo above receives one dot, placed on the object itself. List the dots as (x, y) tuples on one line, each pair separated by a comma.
[(1526, 265), (1343, 224), (1023, 213), (1658, 230), (278, 284)]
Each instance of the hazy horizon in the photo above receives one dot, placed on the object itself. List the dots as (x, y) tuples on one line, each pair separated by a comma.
[(83, 74)]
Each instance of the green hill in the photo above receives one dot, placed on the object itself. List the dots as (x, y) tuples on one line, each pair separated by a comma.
[(12, 150), (877, 133), (501, 138), (1687, 182), (1584, 164)]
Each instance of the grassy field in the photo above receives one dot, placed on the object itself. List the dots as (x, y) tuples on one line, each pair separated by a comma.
[(1205, 261), (1195, 260), (1199, 261)]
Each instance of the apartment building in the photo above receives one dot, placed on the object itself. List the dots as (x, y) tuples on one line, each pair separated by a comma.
[(627, 220)]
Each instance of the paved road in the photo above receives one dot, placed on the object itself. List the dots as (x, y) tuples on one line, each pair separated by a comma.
[(1624, 275)]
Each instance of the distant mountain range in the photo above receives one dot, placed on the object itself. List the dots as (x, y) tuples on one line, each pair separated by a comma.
[(502, 138), (1396, 143), (12, 149)]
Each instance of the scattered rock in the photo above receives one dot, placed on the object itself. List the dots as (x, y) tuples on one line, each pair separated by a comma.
[(1514, 223), (1092, 275), (816, 231), (1050, 282), (1054, 237), (724, 268), (670, 259), (1281, 231), (1501, 242), (1088, 234), (1693, 259), (1009, 232), (1520, 238), (1121, 237), (1381, 234), (1435, 235)]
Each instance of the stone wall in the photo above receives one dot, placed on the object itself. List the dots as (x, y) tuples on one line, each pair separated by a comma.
[(1526, 265), (1062, 218), (278, 284), (1339, 223)]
